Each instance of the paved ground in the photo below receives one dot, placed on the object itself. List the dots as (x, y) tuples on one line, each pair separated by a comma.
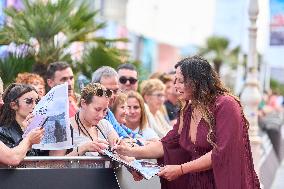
[(278, 182)]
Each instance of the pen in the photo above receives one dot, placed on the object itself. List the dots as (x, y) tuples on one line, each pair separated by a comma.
[(117, 142), (139, 142)]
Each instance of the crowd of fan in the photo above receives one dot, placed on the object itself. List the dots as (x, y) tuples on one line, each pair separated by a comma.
[(110, 107), (271, 119), (271, 110)]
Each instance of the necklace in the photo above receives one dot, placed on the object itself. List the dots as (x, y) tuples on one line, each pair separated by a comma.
[(81, 127)]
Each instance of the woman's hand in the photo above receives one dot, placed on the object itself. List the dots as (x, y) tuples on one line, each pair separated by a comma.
[(128, 141), (170, 172), (123, 149), (35, 136), (27, 121), (95, 146)]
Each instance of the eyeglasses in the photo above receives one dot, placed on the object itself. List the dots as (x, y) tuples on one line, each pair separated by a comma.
[(100, 92), (159, 95), (30, 101), (123, 80)]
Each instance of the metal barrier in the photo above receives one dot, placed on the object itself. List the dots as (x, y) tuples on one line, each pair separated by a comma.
[(60, 172)]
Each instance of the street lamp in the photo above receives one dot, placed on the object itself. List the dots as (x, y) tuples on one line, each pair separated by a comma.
[(251, 96)]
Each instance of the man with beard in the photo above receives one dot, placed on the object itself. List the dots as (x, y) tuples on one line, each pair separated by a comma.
[(61, 72)]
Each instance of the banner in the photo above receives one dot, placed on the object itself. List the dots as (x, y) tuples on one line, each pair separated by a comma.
[(276, 22), (55, 106)]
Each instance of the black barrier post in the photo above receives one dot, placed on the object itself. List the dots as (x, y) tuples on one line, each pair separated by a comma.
[(61, 173), (80, 178)]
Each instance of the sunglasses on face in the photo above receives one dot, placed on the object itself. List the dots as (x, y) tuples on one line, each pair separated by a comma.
[(100, 92), (123, 80), (30, 101)]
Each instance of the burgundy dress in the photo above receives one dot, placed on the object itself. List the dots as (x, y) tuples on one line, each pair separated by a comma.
[(232, 164)]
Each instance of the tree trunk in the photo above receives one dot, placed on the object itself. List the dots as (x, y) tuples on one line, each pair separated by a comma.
[(217, 65)]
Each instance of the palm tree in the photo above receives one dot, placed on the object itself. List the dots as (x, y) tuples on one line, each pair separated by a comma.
[(39, 25), (100, 55), (13, 64), (217, 51)]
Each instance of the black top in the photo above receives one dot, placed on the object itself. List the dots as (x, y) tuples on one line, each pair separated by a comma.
[(11, 136), (171, 109)]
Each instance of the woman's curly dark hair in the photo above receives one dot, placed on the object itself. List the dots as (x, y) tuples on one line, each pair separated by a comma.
[(205, 85), (11, 94)]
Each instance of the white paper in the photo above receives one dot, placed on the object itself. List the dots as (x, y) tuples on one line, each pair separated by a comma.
[(146, 168), (55, 105)]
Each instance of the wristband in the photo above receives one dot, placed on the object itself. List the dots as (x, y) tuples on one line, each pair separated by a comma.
[(182, 173), (77, 149)]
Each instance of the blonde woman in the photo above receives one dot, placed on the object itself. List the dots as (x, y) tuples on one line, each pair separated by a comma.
[(130, 110), (120, 109), (153, 92), (137, 118)]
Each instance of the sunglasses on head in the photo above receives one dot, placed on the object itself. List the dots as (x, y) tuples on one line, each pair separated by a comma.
[(100, 92), (30, 101), (124, 80), (115, 91)]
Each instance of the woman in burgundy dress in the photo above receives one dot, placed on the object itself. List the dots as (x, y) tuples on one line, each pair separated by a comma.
[(209, 146)]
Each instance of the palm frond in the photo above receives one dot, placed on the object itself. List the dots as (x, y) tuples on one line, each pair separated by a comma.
[(217, 51), (12, 65), (42, 21), (100, 55)]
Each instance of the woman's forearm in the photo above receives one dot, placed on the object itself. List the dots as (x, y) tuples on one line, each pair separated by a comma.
[(152, 150), (13, 156), (201, 164), (78, 151)]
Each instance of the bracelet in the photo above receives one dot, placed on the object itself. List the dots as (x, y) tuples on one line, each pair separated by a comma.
[(182, 173), (77, 149)]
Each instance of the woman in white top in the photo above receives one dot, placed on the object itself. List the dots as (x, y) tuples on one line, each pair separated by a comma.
[(129, 110), (91, 133), (153, 92)]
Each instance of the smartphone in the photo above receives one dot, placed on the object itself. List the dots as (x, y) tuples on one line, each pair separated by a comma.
[(45, 120), (37, 121)]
